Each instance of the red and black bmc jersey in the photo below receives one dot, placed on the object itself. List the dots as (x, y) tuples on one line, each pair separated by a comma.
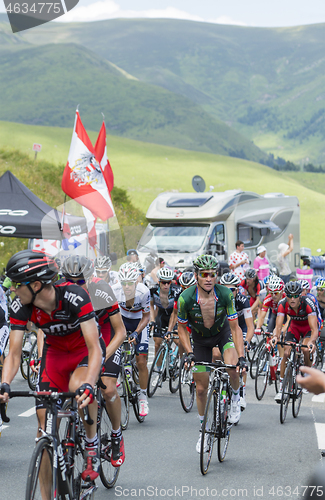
[(299, 320), (105, 305), (62, 327)]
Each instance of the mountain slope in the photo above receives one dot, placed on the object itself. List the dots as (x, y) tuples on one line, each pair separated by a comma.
[(265, 82), (43, 85)]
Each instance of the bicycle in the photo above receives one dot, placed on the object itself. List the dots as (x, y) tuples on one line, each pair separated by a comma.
[(28, 340), (266, 369), (168, 367), (290, 389), (127, 386), (186, 386), (58, 459), (253, 356), (215, 426)]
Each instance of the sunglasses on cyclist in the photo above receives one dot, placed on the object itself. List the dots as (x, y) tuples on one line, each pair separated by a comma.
[(125, 283), (320, 289), (101, 272), (295, 296), (276, 293), (233, 288), (18, 285), (166, 282), (205, 274)]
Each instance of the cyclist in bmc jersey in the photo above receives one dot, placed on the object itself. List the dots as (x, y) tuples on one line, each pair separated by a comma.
[(303, 324), (134, 302), (210, 309), (72, 355), (75, 269), (103, 270), (245, 319)]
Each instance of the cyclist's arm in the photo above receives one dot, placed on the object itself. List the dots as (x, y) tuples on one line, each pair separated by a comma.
[(90, 333), (172, 320), (184, 337), (250, 328), (255, 305), (313, 323), (278, 326), (119, 334), (40, 342), (143, 322), (153, 311), (237, 336), (12, 361), (261, 318)]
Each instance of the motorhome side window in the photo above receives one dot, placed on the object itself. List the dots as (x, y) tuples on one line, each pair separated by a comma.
[(250, 236), (218, 234)]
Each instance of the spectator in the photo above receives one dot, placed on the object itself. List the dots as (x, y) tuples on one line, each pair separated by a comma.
[(283, 260), (239, 261), (261, 264), (132, 255)]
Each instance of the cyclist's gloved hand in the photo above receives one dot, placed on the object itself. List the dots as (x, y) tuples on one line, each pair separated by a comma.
[(87, 390), (133, 336), (4, 389), (242, 363), (257, 331), (190, 358), (166, 335)]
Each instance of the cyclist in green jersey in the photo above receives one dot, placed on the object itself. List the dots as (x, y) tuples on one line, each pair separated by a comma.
[(210, 309)]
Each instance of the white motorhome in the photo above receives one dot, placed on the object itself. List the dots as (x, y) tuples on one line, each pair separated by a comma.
[(185, 225)]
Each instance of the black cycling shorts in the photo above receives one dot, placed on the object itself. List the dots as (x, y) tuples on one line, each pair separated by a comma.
[(112, 365), (202, 346)]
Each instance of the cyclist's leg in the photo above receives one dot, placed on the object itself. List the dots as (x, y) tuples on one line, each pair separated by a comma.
[(162, 321), (141, 351), (230, 356), (306, 341), (289, 337), (113, 405)]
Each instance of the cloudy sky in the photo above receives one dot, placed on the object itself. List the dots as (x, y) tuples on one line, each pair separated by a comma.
[(266, 13)]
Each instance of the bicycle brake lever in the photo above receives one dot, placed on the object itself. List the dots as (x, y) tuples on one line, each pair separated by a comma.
[(88, 418)]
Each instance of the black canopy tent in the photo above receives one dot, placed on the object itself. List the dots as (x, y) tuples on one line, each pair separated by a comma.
[(24, 215)]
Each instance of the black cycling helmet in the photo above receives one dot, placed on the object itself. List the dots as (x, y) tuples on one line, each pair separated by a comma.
[(77, 267), (250, 274), (293, 288), (230, 279), (27, 266), (187, 279)]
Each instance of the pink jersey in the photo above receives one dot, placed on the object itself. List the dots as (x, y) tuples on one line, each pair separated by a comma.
[(262, 267)]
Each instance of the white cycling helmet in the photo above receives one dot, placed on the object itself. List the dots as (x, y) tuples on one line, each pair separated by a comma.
[(229, 279), (165, 274), (305, 284), (128, 272), (103, 263), (275, 284)]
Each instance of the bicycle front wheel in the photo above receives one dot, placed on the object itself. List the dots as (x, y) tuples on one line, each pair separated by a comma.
[(32, 376), (257, 351), (108, 473), (209, 429), (124, 396), (186, 386), (296, 398), (174, 376), (286, 391), (223, 430), (136, 406), (262, 373), (157, 372), (40, 472)]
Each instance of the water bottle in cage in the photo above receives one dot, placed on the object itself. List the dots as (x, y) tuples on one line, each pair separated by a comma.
[(273, 365)]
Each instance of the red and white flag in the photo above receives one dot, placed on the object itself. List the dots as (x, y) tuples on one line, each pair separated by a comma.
[(91, 221), (84, 178)]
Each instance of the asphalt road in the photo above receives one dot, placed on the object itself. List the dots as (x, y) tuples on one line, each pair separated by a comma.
[(264, 460)]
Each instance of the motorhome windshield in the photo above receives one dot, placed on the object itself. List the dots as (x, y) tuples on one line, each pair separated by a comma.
[(174, 238)]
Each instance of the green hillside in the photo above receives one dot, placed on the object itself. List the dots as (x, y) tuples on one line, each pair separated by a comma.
[(48, 82), (266, 83), (145, 170)]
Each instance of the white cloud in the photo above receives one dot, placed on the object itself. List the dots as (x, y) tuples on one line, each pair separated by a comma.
[(108, 9)]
